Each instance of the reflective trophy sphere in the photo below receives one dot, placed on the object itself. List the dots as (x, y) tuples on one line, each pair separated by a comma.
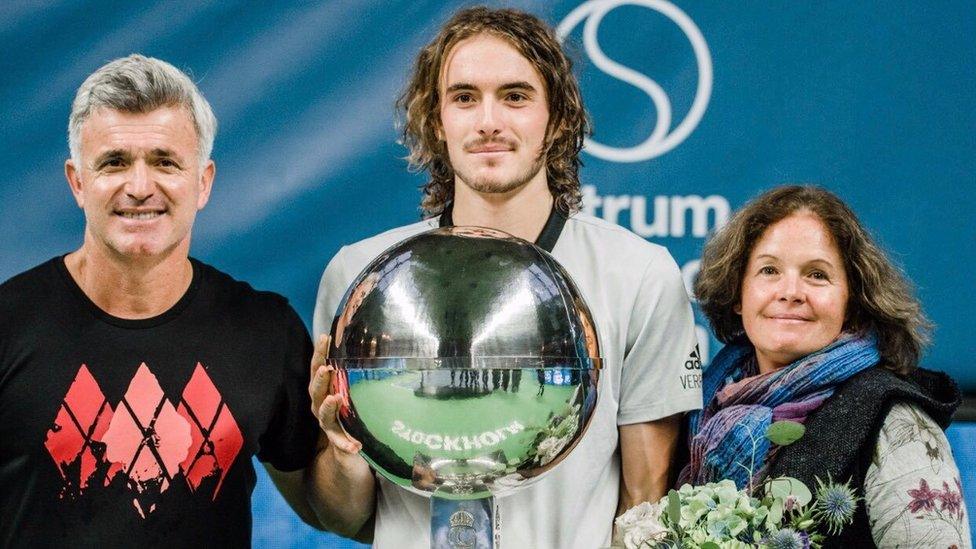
[(467, 362)]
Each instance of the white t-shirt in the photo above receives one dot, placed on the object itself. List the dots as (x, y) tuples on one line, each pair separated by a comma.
[(650, 370)]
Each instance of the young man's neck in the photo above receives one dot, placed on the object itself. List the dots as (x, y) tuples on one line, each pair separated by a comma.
[(522, 212), (131, 288)]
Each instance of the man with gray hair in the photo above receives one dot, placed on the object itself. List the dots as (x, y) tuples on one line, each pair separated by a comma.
[(136, 383)]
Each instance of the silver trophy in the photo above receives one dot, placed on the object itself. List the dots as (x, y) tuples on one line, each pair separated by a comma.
[(468, 366)]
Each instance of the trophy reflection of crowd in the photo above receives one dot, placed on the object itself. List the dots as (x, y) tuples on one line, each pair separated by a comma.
[(506, 378), (487, 380)]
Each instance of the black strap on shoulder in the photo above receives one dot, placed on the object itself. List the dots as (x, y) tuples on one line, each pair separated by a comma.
[(547, 238)]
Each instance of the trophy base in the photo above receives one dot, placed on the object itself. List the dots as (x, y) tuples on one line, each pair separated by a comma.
[(463, 524)]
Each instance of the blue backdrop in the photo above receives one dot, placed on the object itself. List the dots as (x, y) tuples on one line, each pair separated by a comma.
[(696, 110)]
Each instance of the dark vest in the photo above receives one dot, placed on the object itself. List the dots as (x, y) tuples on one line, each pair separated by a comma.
[(842, 434)]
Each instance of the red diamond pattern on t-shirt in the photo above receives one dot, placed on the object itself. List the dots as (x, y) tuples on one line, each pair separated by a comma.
[(146, 438), (74, 441), (216, 437)]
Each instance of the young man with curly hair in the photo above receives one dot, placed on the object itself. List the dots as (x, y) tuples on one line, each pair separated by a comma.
[(494, 115)]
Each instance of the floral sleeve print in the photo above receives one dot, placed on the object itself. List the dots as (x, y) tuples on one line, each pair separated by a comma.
[(912, 490)]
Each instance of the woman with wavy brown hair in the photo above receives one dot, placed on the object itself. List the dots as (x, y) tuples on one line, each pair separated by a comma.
[(820, 328)]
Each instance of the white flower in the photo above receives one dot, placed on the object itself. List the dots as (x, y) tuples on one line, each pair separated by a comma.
[(640, 537), (639, 513), (549, 448), (639, 525)]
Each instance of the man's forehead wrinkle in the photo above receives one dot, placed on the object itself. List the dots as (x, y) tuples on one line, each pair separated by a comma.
[(126, 126), (106, 121), (173, 109), (136, 138), (123, 133), (139, 129)]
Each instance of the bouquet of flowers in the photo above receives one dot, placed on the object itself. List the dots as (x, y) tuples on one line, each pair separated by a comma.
[(558, 432), (779, 513)]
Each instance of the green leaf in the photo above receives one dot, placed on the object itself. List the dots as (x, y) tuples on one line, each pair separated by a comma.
[(775, 514), (782, 487), (784, 433), (800, 490), (674, 507), (710, 545), (779, 488)]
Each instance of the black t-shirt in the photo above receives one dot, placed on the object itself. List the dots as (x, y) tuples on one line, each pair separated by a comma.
[(140, 433)]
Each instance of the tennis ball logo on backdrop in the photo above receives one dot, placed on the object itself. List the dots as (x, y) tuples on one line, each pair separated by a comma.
[(662, 216), (662, 138)]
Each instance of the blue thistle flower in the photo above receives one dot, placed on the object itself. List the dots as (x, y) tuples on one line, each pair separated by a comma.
[(835, 505), (786, 538)]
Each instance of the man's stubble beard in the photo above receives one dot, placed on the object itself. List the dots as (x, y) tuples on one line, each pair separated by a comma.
[(490, 186)]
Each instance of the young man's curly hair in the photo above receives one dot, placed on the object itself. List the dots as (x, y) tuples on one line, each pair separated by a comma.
[(568, 123)]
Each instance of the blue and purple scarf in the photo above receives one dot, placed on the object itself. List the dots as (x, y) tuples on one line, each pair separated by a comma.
[(728, 437)]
